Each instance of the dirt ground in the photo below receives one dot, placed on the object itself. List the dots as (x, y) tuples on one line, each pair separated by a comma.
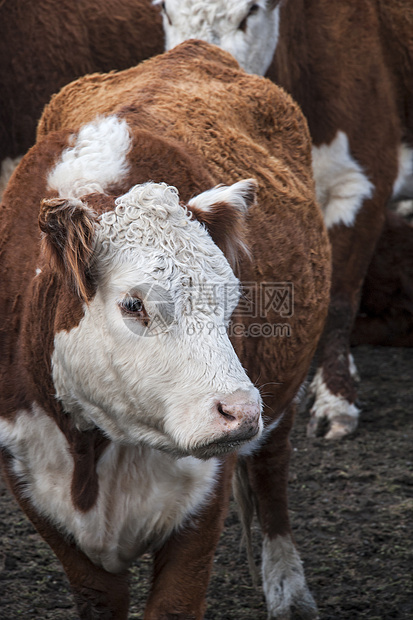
[(351, 509)]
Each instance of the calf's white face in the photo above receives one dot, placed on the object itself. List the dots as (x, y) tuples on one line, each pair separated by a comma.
[(151, 361), (246, 29)]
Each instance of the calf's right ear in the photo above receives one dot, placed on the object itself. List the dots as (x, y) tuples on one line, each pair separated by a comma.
[(68, 227), (222, 211)]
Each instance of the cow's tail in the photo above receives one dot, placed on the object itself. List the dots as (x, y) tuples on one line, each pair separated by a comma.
[(245, 499)]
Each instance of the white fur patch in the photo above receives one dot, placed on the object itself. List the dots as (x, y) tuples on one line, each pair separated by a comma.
[(95, 159), (341, 184), (405, 209), (283, 579), (328, 405), (250, 36), (353, 368), (342, 415), (234, 195), (143, 496), (403, 186), (159, 387), (8, 166)]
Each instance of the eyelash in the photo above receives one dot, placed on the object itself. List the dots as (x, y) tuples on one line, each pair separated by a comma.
[(163, 7), (134, 307), (252, 10), (129, 303)]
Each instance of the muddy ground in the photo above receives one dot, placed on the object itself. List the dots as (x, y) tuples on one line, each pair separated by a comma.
[(351, 508)]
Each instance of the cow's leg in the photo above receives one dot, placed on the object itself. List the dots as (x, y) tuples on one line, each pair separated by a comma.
[(182, 567), (354, 208), (386, 307), (334, 386), (284, 583), (99, 595)]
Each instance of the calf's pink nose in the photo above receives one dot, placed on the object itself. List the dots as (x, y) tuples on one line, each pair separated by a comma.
[(240, 414)]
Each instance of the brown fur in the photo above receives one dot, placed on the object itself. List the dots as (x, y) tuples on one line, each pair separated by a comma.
[(46, 44), (198, 142), (68, 240), (226, 225)]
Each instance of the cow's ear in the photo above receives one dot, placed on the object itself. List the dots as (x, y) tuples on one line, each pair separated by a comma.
[(68, 227), (222, 210)]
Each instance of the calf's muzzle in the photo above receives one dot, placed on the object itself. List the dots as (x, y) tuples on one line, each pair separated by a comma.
[(237, 420)]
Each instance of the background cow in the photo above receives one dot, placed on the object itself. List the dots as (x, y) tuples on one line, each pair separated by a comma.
[(349, 66), (48, 43), (121, 393)]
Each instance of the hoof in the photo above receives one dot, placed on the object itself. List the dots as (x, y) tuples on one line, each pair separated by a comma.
[(284, 584), (340, 426), (316, 426)]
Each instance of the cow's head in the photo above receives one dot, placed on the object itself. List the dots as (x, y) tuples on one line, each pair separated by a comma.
[(247, 29), (151, 361)]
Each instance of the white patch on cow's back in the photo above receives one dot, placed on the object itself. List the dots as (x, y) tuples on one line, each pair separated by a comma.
[(283, 579), (403, 185), (95, 159), (341, 184), (218, 22), (143, 495), (8, 165)]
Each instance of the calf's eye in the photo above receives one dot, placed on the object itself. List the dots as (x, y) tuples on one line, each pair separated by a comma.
[(134, 307), (252, 10), (163, 7), (133, 304)]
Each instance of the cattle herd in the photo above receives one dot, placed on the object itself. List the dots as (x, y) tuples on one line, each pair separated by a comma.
[(179, 238)]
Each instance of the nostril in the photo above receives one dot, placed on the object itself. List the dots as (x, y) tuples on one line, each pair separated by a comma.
[(226, 415)]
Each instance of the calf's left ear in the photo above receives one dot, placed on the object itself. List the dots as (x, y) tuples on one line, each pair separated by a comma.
[(68, 227), (222, 210)]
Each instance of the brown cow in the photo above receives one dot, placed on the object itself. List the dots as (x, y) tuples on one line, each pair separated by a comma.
[(121, 394), (349, 65), (48, 43)]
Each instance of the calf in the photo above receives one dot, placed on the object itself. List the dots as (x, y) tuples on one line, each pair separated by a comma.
[(46, 44), (349, 67), (122, 396)]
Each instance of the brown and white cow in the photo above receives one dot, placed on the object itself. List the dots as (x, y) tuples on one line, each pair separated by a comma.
[(48, 43), (121, 395), (349, 66)]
